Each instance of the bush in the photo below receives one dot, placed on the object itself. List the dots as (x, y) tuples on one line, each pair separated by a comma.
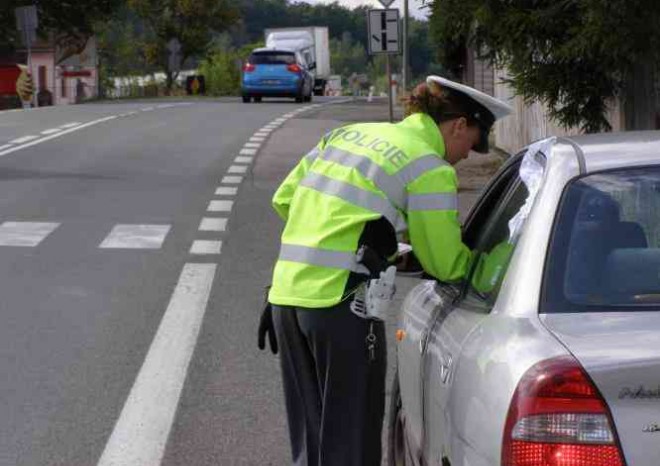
[(222, 70)]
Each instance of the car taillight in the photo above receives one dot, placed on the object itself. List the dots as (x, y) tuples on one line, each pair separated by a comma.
[(293, 68), (249, 68), (558, 417)]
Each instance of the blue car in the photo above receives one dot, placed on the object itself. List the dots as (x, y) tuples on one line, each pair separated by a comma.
[(276, 73)]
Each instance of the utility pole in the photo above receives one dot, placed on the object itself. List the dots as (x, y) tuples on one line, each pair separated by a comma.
[(404, 71)]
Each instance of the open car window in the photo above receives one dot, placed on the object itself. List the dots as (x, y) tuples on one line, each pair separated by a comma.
[(491, 196), (494, 248), (605, 250)]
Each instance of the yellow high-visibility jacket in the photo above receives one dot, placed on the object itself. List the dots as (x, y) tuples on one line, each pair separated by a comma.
[(357, 174)]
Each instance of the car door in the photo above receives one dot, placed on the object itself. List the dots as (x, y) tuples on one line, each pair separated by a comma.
[(423, 306), (493, 249)]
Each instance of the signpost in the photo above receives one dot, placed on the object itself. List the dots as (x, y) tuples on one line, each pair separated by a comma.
[(174, 61), (27, 22), (383, 30)]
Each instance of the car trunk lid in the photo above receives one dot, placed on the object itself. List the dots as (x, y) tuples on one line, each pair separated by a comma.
[(621, 354)]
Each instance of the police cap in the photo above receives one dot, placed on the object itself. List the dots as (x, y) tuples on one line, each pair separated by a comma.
[(480, 107)]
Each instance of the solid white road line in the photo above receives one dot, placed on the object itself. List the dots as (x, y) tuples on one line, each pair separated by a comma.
[(202, 246), (51, 131), (57, 135), (226, 191), (140, 435), (6, 146), (232, 179), (70, 125), (241, 159), (23, 139), (220, 206), (213, 224), (248, 151), (136, 237), (238, 169), (25, 234)]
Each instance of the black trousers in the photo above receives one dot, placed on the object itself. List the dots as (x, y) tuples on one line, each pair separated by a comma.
[(334, 386)]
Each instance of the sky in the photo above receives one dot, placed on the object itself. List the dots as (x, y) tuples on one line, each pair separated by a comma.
[(414, 5)]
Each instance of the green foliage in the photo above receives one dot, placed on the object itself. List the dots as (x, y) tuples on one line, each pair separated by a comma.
[(121, 46), (72, 20), (347, 56), (192, 22), (222, 68), (573, 55)]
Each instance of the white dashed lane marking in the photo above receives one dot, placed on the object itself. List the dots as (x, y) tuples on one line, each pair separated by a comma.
[(140, 434), (23, 140), (248, 152), (76, 127), (257, 139), (202, 246), (252, 144), (70, 125), (51, 131), (25, 234), (226, 191), (213, 224), (238, 169), (220, 206), (232, 179), (241, 159), (136, 237)]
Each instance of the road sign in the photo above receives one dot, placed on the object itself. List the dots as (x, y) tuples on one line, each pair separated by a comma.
[(27, 21), (174, 60), (174, 45), (383, 27), (386, 3)]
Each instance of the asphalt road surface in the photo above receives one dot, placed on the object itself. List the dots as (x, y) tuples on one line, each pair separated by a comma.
[(135, 242)]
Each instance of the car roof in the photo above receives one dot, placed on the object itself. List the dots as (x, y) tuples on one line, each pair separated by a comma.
[(606, 151)]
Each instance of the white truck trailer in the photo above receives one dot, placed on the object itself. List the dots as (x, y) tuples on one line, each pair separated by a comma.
[(313, 43)]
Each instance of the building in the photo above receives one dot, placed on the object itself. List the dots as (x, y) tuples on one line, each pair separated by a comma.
[(60, 76)]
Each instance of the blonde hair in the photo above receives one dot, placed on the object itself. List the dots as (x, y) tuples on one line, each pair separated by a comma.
[(439, 103)]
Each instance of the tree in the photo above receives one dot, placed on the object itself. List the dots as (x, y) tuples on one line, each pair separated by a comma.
[(573, 55), (71, 22), (192, 22)]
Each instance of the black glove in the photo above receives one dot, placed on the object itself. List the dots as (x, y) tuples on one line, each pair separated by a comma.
[(266, 327)]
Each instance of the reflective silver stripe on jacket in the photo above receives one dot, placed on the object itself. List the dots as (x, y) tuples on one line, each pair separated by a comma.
[(418, 167), (393, 189), (321, 258), (394, 186), (352, 194), (312, 155), (436, 201)]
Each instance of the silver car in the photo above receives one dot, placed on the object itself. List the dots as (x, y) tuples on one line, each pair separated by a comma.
[(549, 353)]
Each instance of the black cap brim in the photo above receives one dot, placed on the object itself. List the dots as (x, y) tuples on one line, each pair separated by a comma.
[(482, 146)]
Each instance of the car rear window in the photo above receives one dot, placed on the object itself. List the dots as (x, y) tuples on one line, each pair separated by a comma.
[(605, 250), (272, 58)]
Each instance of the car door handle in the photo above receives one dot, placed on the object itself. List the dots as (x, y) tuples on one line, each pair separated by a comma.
[(445, 367)]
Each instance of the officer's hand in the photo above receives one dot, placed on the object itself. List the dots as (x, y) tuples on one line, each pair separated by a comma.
[(266, 327)]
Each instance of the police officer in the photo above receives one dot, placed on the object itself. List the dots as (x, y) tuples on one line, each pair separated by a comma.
[(360, 187)]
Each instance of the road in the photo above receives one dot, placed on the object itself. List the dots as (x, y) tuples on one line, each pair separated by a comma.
[(135, 242)]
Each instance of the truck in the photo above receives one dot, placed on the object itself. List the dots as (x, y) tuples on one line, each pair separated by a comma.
[(314, 45)]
